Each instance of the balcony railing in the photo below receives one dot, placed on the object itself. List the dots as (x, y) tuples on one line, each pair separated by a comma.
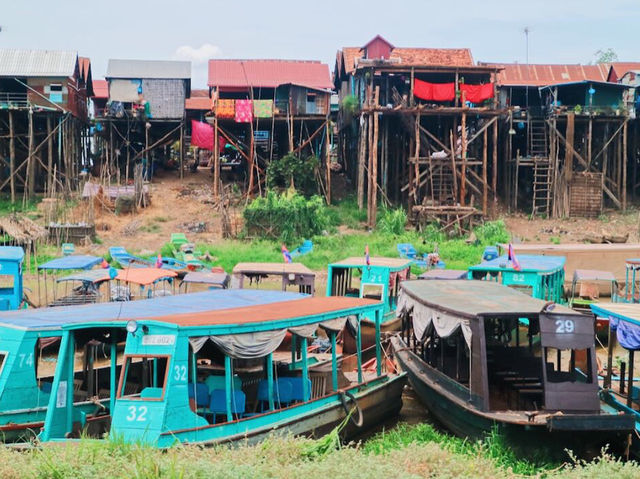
[(13, 100)]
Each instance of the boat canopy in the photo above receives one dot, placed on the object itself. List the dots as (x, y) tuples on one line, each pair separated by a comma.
[(88, 276), (394, 264), (144, 276), (207, 277), (450, 305), (624, 319), (11, 253), (84, 315), (272, 268), (528, 264), (444, 274), (593, 275), (71, 262)]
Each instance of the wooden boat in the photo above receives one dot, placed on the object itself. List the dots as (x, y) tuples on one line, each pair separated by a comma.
[(475, 366), (51, 269), (380, 280), (150, 283), (291, 274), (218, 375), (86, 287), (619, 393), (127, 260), (31, 346), (12, 292), (210, 279), (539, 276), (585, 290)]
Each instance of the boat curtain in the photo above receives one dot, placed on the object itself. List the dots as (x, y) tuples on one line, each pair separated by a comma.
[(424, 318), (628, 334), (258, 345)]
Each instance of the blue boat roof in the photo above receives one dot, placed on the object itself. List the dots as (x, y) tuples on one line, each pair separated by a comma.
[(11, 253), (72, 262), (55, 318), (529, 263), (628, 312)]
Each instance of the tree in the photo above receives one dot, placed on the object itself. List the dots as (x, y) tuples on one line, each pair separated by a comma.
[(607, 55)]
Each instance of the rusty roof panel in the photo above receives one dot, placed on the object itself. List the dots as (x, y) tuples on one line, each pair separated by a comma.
[(455, 57), (518, 74), (268, 73)]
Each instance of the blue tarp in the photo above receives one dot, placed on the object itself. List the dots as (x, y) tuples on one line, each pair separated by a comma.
[(72, 262), (55, 318), (628, 334), (528, 263)]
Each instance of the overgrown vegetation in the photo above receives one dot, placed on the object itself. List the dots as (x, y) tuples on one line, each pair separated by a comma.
[(392, 221), (292, 171), (407, 452), (288, 217)]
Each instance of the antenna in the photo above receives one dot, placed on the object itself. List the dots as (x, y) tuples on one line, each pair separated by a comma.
[(526, 34)]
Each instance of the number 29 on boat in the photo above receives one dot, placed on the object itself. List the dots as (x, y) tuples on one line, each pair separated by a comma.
[(238, 374)]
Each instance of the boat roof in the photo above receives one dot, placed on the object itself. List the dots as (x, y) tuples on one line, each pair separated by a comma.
[(444, 274), (529, 263), (72, 262), (191, 303), (206, 277), (272, 268), (275, 315), (475, 298), (144, 276), (593, 275), (89, 276), (359, 262), (629, 312), (11, 253)]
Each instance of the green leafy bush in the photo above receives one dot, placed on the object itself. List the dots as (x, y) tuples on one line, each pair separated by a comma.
[(392, 221), (288, 217), (294, 171)]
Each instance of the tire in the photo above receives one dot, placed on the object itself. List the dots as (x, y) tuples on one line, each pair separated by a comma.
[(345, 406)]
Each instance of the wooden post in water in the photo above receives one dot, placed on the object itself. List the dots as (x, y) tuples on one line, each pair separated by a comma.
[(12, 158)]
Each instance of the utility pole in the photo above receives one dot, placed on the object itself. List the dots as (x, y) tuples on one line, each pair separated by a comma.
[(526, 34)]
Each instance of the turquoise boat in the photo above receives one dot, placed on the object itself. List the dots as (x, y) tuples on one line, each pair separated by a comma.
[(31, 342), (11, 290), (619, 393), (540, 277), (380, 280), (223, 375)]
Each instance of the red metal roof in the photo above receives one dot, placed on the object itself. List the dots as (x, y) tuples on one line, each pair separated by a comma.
[(84, 64), (199, 100), (100, 89), (268, 73), (456, 57), (518, 74), (618, 69)]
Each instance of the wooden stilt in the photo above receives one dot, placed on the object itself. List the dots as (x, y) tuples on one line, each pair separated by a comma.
[(624, 166), (485, 186), (494, 169), (327, 155), (216, 159), (49, 155), (181, 151), (362, 152), (463, 169), (31, 180), (12, 158), (374, 172)]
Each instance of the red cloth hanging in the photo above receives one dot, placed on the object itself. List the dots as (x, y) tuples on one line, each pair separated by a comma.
[(201, 135), (476, 93), (434, 91)]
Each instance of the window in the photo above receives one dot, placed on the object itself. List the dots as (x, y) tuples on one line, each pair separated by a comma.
[(372, 291), (568, 365), (55, 88), (311, 97), (144, 377), (47, 351)]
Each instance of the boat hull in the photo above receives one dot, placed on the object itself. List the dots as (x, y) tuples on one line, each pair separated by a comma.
[(378, 400), (584, 434)]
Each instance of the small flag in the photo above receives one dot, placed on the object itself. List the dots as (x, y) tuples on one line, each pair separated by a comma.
[(104, 264), (367, 258), (286, 256), (512, 257), (159, 261)]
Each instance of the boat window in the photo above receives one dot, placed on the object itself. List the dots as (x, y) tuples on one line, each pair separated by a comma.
[(144, 377), (345, 282), (528, 290), (568, 365), (6, 282), (372, 291), (47, 350)]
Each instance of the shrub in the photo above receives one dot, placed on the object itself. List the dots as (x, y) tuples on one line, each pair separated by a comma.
[(288, 217), (294, 171), (392, 221)]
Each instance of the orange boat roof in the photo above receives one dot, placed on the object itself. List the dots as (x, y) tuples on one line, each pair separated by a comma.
[(144, 276)]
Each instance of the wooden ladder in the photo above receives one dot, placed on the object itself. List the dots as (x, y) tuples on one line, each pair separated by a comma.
[(541, 186), (538, 143)]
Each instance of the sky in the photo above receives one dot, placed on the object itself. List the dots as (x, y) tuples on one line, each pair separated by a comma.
[(561, 31)]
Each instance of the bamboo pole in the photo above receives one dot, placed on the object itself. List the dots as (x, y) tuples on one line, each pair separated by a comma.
[(181, 150), (49, 154), (327, 149), (494, 172), (485, 186), (12, 157), (31, 180), (374, 174), (216, 159), (463, 171), (416, 157), (362, 151), (624, 166)]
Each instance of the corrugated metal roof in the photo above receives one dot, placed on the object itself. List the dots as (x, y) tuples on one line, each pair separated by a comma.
[(517, 74), (100, 89), (268, 73), (37, 63), (198, 103), (455, 57), (158, 69), (619, 69)]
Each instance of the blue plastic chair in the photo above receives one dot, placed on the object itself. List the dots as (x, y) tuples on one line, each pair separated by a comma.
[(68, 248), (218, 382), (304, 248), (218, 404), (201, 394), (297, 393), (282, 391), (490, 253)]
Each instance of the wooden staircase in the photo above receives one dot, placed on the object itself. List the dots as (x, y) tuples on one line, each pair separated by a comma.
[(538, 141)]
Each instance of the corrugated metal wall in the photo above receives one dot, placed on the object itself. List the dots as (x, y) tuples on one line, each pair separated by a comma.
[(166, 97)]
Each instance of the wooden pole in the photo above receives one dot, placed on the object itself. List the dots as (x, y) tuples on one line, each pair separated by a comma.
[(453, 164), (463, 172), (327, 149), (589, 143), (569, 150), (624, 167), (216, 159), (49, 154), (374, 173), (416, 157), (494, 172), (31, 180), (12, 157), (252, 157), (362, 151), (181, 150), (485, 186)]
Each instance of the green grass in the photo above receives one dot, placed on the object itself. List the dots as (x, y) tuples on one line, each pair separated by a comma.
[(6, 206), (346, 213)]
